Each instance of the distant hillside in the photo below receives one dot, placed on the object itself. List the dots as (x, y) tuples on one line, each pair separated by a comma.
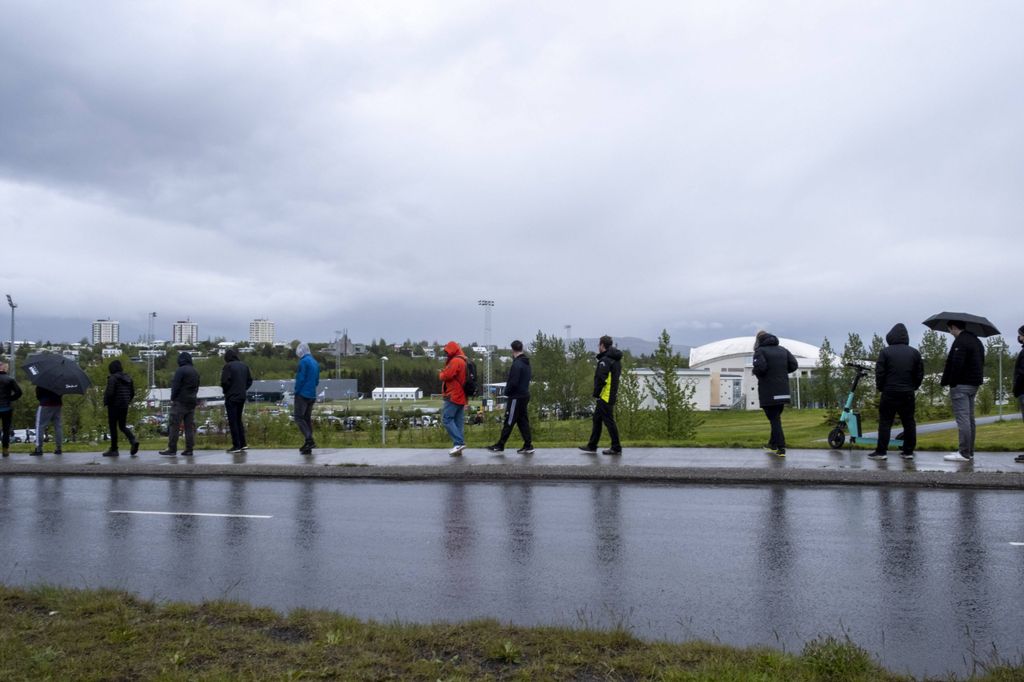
[(638, 346)]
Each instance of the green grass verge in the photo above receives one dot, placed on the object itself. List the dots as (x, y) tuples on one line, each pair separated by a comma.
[(49, 633), (728, 429)]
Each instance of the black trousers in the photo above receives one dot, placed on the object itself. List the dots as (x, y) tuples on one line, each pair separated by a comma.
[(181, 413), (117, 420), (774, 414), (890, 405), (604, 415), (5, 419), (234, 409), (515, 415)]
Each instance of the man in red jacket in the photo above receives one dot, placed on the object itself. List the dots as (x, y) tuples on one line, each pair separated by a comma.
[(453, 378)]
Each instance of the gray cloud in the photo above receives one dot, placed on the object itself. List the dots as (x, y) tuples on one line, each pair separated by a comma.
[(826, 169)]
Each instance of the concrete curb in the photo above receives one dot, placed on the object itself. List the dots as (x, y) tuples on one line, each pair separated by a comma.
[(552, 473)]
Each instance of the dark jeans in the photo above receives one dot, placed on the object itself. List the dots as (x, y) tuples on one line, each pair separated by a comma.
[(234, 409), (179, 413), (890, 405), (304, 416), (604, 414), (774, 413), (117, 419), (515, 415), (5, 419)]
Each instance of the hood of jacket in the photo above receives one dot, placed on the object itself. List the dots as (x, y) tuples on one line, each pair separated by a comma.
[(184, 358), (452, 349), (115, 367), (302, 350), (766, 339), (230, 355), (898, 335), (521, 358), (613, 353)]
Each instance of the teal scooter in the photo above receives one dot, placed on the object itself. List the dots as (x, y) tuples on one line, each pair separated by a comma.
[(849, 420)]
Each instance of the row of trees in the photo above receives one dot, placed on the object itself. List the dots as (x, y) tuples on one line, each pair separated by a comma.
[(832, 380)]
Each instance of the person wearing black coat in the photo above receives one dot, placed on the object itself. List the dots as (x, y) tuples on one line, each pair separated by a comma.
[(964, 373), (235, 379), (184, 395), (517, 398), (1018, 382), (772, 366), (117, 398), (9, 392), (899, 372), (606, 390)]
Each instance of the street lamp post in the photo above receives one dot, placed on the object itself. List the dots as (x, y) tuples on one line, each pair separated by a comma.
[(152, 367), (13, 305), (383, 401), (999, 391)]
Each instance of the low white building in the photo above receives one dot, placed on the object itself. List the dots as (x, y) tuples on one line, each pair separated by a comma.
[(699, 379), (397, 393), (111, 352), (730, 363)]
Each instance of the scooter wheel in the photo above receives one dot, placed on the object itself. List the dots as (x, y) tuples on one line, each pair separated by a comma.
[(836, 438)]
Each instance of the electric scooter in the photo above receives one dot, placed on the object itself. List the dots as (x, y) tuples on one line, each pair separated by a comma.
[(849, 420)]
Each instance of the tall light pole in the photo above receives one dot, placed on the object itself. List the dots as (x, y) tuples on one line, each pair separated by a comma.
[(999, 391), (11, 355), (152, 368), (487, 306), (383, 401), (337, 352)]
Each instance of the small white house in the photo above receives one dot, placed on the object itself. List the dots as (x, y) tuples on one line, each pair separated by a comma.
[(397, 393), (111, 353), (700, 379)]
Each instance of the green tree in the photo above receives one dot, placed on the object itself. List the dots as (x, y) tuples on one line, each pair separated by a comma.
[(853, 353), (933, 355), (675, 411), (823, 388), (629, 406), (871, 394)]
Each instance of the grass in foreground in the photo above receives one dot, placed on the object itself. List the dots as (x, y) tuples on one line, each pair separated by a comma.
[(54, 633)]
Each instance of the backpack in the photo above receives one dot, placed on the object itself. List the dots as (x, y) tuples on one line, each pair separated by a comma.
[(469, 386)]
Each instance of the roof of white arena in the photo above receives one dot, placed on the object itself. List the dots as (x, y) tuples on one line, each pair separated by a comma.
[(744, 345)]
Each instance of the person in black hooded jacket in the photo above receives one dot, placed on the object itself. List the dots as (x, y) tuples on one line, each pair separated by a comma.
[(899, 372), (235, 379), (964, 373), (1018, 382), (9, 392), (118, 397), (772, 366), (184, 395), (606, 390)]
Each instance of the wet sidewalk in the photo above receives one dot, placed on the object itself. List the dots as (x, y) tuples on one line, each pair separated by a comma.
[(645, 464)]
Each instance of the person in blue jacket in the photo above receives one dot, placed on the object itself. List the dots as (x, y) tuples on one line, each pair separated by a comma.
[(306, 379)]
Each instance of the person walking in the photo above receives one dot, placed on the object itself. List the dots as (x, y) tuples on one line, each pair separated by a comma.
[(899, 372), (235, 379), (517, 398), (964, 373), (453, 381), (1018, 382), (772, 366), (49, 412), (10, 391), (606, 389), (117, 398), (184, 396), (307, 377)]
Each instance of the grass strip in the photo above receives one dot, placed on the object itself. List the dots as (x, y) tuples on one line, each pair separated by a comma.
[(50, 633)]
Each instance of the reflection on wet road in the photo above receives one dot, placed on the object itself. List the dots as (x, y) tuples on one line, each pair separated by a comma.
[(907, 573)]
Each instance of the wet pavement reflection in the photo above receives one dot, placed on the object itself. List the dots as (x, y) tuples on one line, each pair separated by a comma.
[(919, 577)]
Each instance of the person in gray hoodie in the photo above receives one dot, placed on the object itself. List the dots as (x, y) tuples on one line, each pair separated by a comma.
[(899, 372), (184, 396)]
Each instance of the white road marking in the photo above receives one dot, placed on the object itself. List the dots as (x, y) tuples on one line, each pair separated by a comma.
[(1017, 544), (162, 513)]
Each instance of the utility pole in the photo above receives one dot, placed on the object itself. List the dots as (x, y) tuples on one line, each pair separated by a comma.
[(152, 368), (337, 355), (10, 357), (487, 306)]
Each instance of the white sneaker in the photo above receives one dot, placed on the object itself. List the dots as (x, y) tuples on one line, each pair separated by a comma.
[(957, 457), (456, 451)]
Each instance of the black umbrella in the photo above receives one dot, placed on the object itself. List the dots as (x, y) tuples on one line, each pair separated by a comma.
[(56, 373), (977, 325)]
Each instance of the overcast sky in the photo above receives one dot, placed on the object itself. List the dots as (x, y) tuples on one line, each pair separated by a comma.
[(709, 168)]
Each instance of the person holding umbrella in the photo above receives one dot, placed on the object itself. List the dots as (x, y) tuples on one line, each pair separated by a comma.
[(118, 397), (964, 373), (1018, 382), (49, 412), (54, 376), (9, 392)]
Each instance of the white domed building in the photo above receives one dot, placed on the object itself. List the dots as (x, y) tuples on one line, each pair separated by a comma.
[(730, 363)]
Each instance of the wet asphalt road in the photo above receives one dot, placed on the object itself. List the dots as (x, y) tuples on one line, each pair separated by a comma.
[(907, 573)]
